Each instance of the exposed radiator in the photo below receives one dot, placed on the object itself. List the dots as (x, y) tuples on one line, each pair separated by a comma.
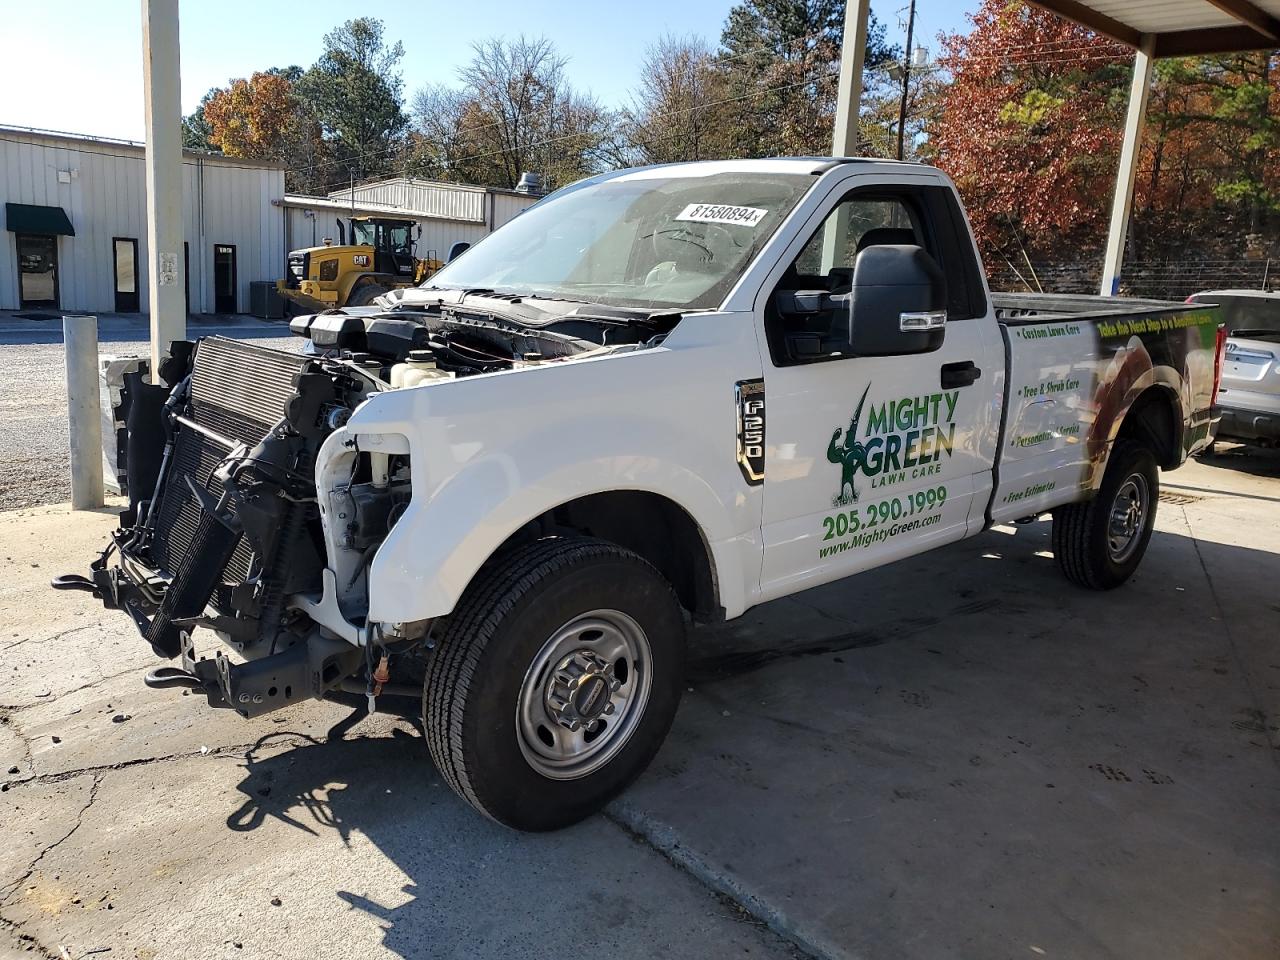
[(238, 391)]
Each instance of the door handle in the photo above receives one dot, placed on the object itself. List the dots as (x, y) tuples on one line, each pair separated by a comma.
[(960, 374)]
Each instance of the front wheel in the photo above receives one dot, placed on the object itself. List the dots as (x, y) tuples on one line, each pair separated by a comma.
[(365, 294), (1099, 543), (555, 682)]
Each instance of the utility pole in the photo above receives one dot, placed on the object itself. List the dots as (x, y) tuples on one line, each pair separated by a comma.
[(906, 81), (161, 80)]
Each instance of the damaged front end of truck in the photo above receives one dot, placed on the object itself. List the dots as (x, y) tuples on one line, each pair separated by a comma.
[(255, 512), (223, 529)]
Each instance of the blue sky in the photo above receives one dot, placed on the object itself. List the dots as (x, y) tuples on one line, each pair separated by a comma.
[(80, 62)]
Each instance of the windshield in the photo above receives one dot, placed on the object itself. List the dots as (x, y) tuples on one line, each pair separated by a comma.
[(1259, 313), (635, 241)]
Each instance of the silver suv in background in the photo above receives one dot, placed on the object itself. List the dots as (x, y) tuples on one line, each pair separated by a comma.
[(1249, 395)]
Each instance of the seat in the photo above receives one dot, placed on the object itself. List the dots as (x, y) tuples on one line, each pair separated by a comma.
[(885, 236)]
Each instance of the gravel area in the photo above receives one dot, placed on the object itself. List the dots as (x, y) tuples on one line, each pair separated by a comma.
[(34, 457)]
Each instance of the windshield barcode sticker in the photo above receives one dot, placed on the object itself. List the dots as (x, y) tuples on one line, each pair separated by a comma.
[(722, 213)]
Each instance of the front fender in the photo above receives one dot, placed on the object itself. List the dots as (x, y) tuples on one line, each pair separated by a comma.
[(488, 454)]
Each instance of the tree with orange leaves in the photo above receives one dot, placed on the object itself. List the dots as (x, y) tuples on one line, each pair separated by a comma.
[(262, 118), (1030, 126)]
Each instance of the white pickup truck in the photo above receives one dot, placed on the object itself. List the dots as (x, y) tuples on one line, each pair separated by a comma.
[(659, 396)]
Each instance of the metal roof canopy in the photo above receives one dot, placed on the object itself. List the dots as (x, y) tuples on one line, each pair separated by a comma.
[(1177, 28), (1158, 29), (1154, 28)]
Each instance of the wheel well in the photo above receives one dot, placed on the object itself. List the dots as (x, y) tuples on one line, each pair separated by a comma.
[(1154, 419), (648, 524)]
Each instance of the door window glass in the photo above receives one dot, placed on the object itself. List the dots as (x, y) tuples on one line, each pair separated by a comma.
[(851, 227), (224, 278), (825, 266), (124, 252), (126, 265), (38, 269), (400, 244)]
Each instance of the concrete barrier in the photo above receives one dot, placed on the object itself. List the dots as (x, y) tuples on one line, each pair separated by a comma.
[(84, 408)]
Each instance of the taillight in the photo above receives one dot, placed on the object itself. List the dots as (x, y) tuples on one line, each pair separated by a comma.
[(1217, 361)]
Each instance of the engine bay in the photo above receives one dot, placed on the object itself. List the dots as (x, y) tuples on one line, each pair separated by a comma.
[(478, 332)]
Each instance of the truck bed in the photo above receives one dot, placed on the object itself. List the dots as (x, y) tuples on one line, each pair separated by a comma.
[(1019, 308), (1076, 365)]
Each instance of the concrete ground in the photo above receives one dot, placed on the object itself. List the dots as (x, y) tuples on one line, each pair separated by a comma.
[(34, 463), (961, 755)]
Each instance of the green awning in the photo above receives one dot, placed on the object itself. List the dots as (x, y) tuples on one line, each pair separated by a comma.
[(27, 218)]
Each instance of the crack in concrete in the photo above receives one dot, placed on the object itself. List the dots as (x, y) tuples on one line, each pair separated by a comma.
[(49, 639), (9, 889), (28, 758), (54, 698), (283, 738), (663, 840)]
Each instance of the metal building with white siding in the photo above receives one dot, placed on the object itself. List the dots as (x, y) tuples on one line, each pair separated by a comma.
[(446, 213), (75, 235), (437, 200)]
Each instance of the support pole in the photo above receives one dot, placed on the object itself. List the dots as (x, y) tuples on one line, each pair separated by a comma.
[(161, 92), (1122, 203), (853, 54), (84, 408), (846, 138)]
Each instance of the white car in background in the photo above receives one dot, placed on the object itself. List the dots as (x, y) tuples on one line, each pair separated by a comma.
[(1249, 396)]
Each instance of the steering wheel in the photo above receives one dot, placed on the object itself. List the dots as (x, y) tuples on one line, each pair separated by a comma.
[(704, 240)]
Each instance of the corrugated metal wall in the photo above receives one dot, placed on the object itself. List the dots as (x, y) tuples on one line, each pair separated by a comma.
[(447, 201), (507, 205), (396, 198), (106, 198), (437, 235)]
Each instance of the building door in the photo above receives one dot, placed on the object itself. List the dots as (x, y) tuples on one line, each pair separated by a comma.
[(37, 270), (125, 250), (224, 278)]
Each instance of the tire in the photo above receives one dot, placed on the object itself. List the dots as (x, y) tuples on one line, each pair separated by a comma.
[(1082, 532), (365, 294), (488, 689)]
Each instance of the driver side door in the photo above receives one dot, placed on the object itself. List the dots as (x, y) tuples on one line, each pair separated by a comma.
[(871, 459)]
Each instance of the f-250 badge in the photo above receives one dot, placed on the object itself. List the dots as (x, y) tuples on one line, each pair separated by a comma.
[(750, 397)]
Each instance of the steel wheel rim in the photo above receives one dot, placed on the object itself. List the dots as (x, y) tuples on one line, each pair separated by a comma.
[(602, 636), (1128, 517)]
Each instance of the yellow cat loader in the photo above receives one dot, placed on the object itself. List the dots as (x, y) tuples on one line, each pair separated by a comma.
[(379, 258)]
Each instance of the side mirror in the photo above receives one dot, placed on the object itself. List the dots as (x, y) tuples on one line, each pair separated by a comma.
[(898, 303), (457, 250)]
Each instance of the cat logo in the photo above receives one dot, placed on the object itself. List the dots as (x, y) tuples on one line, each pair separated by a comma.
[(361, 259)]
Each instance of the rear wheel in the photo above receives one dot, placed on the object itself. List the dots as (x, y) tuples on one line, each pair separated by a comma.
[(1099, 543), (555, 681)]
